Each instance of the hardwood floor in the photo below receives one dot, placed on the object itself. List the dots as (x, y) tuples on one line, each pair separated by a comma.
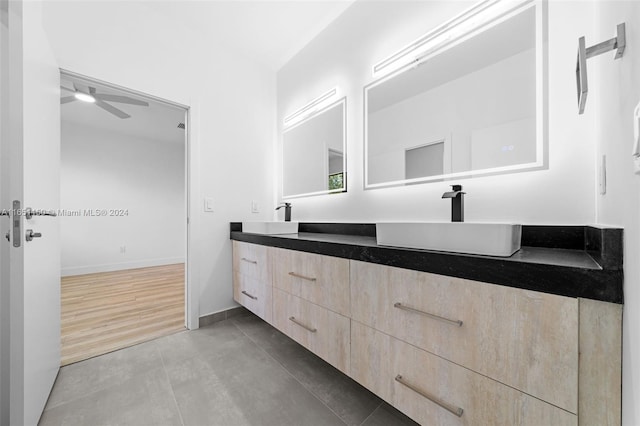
[(112, 310)]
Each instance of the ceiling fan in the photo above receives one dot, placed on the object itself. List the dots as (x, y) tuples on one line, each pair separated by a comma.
[(89, 94)]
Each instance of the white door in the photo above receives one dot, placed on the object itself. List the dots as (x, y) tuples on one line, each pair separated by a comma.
[(33, 181)]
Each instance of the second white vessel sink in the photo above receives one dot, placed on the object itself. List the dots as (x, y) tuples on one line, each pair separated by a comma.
[(270, 228), (491, 239)]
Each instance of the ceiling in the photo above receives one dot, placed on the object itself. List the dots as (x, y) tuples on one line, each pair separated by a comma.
[(158, 121), (271, 32)]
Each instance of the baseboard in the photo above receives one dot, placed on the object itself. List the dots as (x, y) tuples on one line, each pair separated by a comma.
[(222, 315), (94, 269)]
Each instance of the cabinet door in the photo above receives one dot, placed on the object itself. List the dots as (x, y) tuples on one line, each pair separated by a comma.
[(251, 260), (434, 391), (525, 339), (323, 280), (323, 332), (253, 294), (252, 278)]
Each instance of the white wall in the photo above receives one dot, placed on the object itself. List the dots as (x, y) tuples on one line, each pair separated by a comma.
[(102, 169), (368, 32), (613, 94), (232, 115)]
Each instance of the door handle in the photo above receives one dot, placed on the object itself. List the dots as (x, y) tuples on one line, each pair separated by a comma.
[(31, 235), (29, 213)]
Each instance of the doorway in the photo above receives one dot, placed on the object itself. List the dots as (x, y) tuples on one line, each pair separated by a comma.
[(123, 217)]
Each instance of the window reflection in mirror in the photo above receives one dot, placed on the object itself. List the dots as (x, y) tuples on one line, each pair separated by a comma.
[(473, 107), (313, 154)]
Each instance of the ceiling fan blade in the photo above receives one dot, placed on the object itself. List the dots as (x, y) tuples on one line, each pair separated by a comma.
[(67, 89), (81, 88), (113, 110), (120, 99), (67, 99)]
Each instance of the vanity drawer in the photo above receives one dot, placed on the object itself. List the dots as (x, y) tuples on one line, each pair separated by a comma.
[(323, 280), (251, 260), (323, 332), (254, 294), (426, 387), (525, 339)]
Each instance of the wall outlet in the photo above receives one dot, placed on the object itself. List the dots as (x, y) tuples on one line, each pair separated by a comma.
[(123, 249), (254, 207)]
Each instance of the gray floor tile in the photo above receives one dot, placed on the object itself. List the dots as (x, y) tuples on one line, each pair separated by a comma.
[(244, 386), (144, 399), (386, 415), (79, 379), (349, 400), (198, 342), (235, 372)]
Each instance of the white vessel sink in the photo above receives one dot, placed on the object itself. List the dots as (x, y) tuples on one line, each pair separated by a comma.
[(270, 228), (492, 239)]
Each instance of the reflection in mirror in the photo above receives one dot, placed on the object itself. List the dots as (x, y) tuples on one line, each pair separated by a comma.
[(473, 107), (313, 154)]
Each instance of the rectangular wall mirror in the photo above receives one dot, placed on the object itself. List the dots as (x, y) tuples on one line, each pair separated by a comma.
[(473, 106), (314, 160)]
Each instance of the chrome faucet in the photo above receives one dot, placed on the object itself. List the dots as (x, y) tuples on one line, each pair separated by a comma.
[(457, 203), (287, 211)]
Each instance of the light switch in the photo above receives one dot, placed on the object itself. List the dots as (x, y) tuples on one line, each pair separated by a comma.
[(208, 204), (254, 207)]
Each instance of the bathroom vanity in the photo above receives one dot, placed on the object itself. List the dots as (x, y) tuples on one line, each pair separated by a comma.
[(447, 338)]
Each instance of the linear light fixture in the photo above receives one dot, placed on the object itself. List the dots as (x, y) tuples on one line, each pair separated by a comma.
[(310, 107), (477, 15)]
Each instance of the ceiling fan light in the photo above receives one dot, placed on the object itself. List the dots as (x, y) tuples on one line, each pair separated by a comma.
[(84, 97)]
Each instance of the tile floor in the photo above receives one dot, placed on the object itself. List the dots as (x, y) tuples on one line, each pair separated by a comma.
[(240, 371)]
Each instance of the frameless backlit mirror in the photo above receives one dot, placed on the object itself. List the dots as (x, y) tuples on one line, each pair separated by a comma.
[(473, 106), (314, 160)]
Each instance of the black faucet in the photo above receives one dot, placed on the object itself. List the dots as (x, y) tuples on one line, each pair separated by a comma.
[(287, 211), (457, 203)]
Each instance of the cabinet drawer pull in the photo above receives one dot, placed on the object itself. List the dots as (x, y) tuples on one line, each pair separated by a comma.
[(293, 274), (450, 408), (427, 314), (295, 321), (255, 262), (248, 295)]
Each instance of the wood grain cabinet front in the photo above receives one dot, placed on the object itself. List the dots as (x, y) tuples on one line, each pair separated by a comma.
[(323, 280), (323, 332), (525, 339), (251, 260), (434, 391), (252, 279)]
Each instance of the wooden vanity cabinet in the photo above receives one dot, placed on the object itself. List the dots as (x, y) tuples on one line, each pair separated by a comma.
[(323, 332), (252, 278), (322, 280), (524, 339), (443, 350), (434, 391)]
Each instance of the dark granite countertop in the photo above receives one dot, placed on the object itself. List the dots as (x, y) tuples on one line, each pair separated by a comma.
[(568, 261)]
